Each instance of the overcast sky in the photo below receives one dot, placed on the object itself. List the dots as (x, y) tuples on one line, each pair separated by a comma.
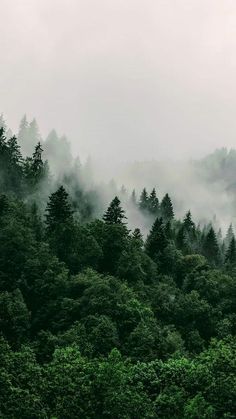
[(124, 79)]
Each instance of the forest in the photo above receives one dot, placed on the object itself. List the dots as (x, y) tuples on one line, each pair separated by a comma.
[(97, 319)]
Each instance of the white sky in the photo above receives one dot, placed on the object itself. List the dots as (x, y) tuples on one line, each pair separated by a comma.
[(124, 79)]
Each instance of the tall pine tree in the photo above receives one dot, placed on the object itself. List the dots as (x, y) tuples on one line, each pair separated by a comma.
[(59, 210), (166, 208), (114, 214)]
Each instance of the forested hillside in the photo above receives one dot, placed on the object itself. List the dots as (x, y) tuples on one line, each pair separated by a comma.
[(96, 320)]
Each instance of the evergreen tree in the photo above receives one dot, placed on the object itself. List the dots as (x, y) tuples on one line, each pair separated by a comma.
[(11, 169), (153, 203), (23, 136), (59, 210), (35, 168), (156, 241), (219, 237), (211, 248), (166, 208), (188, 222), (114, 214), (14, 151), (229, 236), (144, 201), (133, 198), (230, 256)]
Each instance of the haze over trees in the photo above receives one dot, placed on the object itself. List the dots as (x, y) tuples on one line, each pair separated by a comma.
[(96, 319)]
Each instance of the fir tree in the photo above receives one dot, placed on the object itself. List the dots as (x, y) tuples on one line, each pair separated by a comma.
[(188, 222), (114, 214), (230, 256), (166, 208), (153, 203), (14, 151), (211, 248), (229, 236), (23, 136), (133, 198), (144, 201), (35, 168), (59, 210), (156, 241)]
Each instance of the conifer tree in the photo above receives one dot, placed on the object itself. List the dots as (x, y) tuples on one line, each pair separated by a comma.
[(133, 198), (166, 208), (114, 214), (156, 241), (211, 248), (14, 151), (35, 168), (153, 203), (188, 222), (230, 256), (23, 136), (144, 201), (59, 210), (229, 236)]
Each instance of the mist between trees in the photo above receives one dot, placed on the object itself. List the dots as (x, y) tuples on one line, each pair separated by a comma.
[(114, 303)]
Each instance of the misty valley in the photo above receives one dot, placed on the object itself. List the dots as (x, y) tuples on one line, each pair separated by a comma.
[(117, 294)]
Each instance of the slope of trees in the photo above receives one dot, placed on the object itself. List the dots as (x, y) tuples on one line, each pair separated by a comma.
[(97, 321)]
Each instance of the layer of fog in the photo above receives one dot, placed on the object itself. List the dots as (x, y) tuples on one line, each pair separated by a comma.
[(126, 80)]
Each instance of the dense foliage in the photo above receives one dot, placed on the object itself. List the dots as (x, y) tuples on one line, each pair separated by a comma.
[(98, 322)]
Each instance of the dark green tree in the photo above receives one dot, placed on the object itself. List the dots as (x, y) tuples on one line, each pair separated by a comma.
[(144, 201), (156, 241), (211, 248), (114, 214), (153, 203), (59, 210), (230, 256), (166, 208)]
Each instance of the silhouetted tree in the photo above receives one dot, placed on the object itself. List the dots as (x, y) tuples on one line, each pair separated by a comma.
[(143, 202), (166, 208), (59, 210), (211, 248), (153, 203), (114, 213)]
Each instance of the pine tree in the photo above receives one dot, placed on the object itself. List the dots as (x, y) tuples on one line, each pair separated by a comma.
[(156, 241), (114, 214), (37, 158), (166, 208), (230, 256), (14, 151), (133, 198), (59, 210), (23, 135), (188, 222), (144, 201), (153, 203), (229, 236), (35, 168), (211, 248)]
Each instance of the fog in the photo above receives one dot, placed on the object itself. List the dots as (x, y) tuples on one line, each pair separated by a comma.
[(125, 80), (143, 88)]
